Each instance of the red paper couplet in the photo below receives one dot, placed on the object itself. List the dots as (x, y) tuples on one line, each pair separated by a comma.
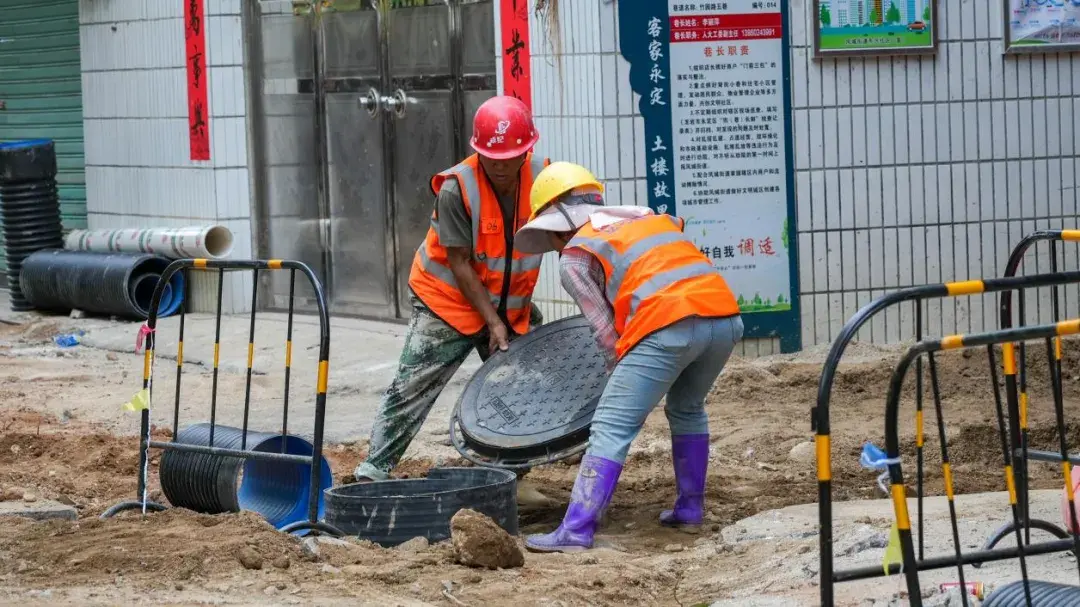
[(197, 81), (516, 59)]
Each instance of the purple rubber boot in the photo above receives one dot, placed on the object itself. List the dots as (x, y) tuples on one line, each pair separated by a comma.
[(592, 492), (690, 454)]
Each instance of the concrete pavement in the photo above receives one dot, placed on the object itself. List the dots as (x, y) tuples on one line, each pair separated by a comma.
[(363, 360)]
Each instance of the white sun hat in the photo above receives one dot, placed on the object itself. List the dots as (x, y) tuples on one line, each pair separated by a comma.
[(568, 213)]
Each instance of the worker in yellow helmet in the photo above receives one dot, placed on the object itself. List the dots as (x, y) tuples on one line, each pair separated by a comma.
[(664, 317)]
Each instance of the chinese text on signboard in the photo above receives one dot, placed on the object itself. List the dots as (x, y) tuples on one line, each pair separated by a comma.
[(713, 86), (727, 108)]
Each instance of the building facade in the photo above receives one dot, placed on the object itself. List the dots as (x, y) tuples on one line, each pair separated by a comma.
[(908, 170)]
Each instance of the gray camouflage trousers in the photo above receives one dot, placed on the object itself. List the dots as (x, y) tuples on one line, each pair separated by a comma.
[(433, 352)]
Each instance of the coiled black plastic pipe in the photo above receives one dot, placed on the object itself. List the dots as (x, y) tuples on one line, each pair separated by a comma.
[(120, 284), (29, 207), (1043, 594)]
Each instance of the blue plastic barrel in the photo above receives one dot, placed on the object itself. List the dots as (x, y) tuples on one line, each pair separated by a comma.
[(278, 491)]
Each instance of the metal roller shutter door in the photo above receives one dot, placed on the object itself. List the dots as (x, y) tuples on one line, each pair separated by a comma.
[(41, 91)]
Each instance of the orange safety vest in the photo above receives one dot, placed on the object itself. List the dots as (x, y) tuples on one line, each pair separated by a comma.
[(655, 276), (433, 282)]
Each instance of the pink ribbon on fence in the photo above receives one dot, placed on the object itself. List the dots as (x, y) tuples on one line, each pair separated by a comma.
[(144, 330)]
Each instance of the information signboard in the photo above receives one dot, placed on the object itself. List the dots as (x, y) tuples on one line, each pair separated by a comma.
[(715, 98)]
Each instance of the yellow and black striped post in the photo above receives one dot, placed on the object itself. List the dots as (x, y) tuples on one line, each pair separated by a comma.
[(1010, 476), (250, 354), (1017, 395), (320, 416), (1064, 328), (180, 352), (1016, 400), (946, 471), (144, 415), (217, 352), (919, 461), (288, 357)]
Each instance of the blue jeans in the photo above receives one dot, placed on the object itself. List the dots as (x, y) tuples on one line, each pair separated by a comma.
[(682, 361)]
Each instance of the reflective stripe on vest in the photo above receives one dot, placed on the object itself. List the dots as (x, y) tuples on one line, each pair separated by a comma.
[(655, 276), (468, 180), (446, 275), (517, 266), (430, 276), (621, 263), (663, 279)]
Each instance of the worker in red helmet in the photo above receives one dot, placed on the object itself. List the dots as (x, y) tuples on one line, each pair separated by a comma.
[(470, 286)]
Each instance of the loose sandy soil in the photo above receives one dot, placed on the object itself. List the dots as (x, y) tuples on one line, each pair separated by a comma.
[(759, 412)]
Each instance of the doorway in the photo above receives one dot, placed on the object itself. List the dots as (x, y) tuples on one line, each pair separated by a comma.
[(358, 103)]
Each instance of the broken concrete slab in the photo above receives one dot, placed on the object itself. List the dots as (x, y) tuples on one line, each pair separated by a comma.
[(781, 556), (39, 510), (310, 545)]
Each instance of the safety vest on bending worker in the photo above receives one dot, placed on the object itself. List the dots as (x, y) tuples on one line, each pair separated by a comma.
[(655, 276), (433, 282)]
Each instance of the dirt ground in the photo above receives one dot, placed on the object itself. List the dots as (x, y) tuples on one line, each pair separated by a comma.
[(759, 413)]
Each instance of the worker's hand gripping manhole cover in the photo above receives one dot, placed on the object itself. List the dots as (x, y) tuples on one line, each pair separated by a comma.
[(534, 402)]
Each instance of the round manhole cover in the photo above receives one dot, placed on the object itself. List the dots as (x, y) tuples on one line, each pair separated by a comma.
[(543, 390)]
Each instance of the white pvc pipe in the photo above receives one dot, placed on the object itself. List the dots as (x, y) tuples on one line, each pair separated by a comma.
[(213, 242)]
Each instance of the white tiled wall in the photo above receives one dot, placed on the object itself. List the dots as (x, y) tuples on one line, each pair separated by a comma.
[(590, 117), (908, 170), (923, 170), (135, 116)]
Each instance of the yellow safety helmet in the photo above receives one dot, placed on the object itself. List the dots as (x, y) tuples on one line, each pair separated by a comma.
[(557, 179)]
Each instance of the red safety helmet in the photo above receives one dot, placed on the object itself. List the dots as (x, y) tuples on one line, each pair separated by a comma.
[(503, 128)]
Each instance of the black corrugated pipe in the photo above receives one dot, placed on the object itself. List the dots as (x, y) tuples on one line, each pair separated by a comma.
[(277, 490), (1043, 594), (119, 284), (395, 511), (29, 207)]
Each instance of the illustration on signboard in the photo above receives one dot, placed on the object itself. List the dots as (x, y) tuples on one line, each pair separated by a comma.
[(874, 27), (713, 82), (1041, 26)]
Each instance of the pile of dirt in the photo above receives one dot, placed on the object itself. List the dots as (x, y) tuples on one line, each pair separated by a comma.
[(178, 552), (70, 461), (175, 545)]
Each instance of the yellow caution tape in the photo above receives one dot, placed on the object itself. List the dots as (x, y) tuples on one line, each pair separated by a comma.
[(139, 402), (893, 554)]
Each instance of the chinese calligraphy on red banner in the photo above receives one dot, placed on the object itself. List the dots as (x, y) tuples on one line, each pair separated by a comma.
[(197, 81), (516, 64)]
